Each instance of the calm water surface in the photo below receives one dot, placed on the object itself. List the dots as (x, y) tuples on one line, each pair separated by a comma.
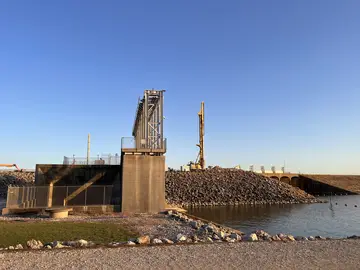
[(326, 219)]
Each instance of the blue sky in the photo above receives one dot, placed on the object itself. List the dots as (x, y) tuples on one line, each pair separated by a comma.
[(280, 79)]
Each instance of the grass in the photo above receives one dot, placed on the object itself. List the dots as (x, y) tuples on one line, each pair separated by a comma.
[(12, 233)]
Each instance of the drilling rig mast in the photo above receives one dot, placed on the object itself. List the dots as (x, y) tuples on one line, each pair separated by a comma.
[(200, 160)]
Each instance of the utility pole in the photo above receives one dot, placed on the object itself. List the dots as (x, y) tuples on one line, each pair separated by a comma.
[(88, 150)]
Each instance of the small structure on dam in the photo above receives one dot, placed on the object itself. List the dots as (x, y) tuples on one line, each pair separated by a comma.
[(133, 182)]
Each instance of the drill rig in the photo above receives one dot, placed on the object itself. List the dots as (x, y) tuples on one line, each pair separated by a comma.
[(200, 160)]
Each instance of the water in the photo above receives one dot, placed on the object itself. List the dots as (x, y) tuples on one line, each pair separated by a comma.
[(326, 219)]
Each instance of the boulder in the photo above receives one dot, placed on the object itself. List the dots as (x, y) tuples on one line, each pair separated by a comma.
[(209, 239), (82, 243), (167, 241), (11, 247), (19, 246), (235, 236), (252, 237), (311, 238), (142, 240), (58, 244), (33, 244), (194, 224), (300, 238), (276, 238), (267, 238), (156, 241), (229, 240), (319, 237), (180, 237), (291, 238), (216, 237), (221, 234), (130, 243)]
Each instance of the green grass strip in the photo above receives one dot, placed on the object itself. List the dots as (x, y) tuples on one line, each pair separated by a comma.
[(12, 233)]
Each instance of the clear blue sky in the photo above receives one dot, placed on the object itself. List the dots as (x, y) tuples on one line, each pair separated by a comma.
[(280, 79)]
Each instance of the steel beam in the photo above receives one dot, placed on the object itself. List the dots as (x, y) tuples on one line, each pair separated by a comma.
[(148, 124)]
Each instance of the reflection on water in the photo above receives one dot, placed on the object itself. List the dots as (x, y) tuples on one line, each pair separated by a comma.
[(332, 219)]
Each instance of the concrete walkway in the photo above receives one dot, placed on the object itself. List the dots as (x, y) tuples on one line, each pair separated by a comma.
[(300, 255)]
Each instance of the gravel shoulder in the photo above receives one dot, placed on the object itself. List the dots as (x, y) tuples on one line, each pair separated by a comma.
[(339, 254)]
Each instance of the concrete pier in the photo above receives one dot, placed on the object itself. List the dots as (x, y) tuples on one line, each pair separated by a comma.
[(143, 183)]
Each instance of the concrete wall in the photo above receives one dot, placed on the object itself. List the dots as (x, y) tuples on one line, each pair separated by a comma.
[(77, 175), (143, 188)]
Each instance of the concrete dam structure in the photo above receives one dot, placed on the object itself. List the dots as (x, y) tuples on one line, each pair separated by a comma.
[(136, 185), (320, 184)]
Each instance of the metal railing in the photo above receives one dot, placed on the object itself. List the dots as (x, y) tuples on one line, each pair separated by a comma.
[(131, 143), (100, 160), (38, 196)]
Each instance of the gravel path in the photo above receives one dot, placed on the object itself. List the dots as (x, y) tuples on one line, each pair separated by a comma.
[(342, 254)]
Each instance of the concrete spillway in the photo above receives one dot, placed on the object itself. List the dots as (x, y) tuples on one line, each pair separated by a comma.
[(348, 183)]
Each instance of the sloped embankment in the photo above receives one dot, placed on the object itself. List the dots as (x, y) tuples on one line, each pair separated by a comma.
[(14, 178), (229, 187)]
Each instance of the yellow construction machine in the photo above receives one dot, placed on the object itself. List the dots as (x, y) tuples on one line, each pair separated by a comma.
[(10, 165), (199, 164)]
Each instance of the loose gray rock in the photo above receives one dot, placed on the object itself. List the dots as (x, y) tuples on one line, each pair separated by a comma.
[(130, 243), (195, 238), (219, 186), (311, 238), (11, 247)]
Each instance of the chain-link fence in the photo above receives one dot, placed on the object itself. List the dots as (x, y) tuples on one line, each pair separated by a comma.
[(47, 196)]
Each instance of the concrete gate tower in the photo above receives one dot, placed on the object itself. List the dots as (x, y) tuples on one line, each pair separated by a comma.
[(142, 157)]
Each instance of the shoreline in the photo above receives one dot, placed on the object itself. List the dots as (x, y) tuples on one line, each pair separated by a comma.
[(169, 228)]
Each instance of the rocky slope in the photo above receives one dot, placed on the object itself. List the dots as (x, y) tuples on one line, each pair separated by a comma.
[(14, 178), (228, 187), (210, 187)]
